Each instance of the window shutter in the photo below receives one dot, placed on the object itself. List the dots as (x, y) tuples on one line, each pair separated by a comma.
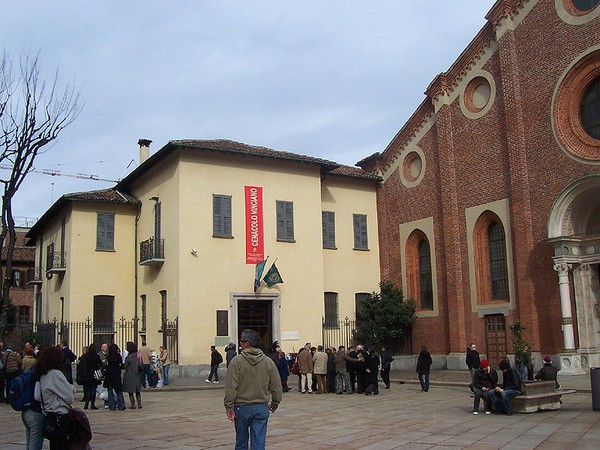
[(221, 215), (101, 231), (285, 220), (328, 229), (360, 231)]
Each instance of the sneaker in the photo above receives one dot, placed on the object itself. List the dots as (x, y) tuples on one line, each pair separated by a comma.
[(215, 381), (488, 412), (207, 381), (475, 413)]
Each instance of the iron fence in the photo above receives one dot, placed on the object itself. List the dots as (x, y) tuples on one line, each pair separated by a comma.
[(341, 332), (83, 333)]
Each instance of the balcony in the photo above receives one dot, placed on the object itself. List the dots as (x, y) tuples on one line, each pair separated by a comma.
[(34, 276), (152, 252), (56, 263)]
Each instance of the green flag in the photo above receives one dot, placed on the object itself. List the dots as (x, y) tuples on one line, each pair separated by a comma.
[(273, 277), (258, 271)]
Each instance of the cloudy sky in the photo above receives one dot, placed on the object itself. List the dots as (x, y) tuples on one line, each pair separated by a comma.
[(333, 79)]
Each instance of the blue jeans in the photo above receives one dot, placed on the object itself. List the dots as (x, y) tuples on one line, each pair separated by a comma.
[(505, 395), (253, 418), (34, 428), (424, 382), (117, 395), (144, 372), (166, 374)]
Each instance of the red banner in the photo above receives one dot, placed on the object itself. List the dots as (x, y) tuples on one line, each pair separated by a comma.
[(255, 245)]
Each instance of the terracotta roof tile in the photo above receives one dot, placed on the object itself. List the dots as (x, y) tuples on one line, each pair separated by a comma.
[(225, 145)]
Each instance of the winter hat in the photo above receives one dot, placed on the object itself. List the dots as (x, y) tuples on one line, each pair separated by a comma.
[(547, 360), (483, 364)]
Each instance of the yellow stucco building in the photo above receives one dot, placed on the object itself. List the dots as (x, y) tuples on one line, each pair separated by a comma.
[(179, 237)]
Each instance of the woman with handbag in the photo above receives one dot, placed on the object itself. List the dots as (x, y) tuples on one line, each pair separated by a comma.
[(91, 376), (55, 394), (113, 381)]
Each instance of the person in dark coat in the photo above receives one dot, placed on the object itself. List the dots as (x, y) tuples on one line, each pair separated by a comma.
[(361, 369), (131, 378), (113, 382), (371, 367), (331, 374), (386, 365), (68, 359), (548, 372), (284, 371), (472, 360), (485, 381), (230, 352), (89, 363), (423, 365)]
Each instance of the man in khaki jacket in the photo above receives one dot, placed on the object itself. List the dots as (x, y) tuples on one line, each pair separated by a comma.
[(305, 365), (252, 379), (320, 369)]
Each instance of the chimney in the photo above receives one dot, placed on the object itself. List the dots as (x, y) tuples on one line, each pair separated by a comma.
[(144, 149)]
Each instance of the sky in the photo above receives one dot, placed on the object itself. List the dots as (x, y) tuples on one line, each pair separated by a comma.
[(331, 79)]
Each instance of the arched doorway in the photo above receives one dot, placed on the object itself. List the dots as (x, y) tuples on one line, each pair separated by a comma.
[(574, 232)]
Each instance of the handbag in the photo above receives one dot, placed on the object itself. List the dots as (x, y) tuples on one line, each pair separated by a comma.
[(295, 369), (98, 375), (58, 427)]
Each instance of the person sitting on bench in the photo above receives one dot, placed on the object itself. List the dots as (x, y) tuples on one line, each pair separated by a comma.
[(510, 387)]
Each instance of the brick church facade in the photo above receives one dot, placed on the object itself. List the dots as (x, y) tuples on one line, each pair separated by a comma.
[(489, 210)]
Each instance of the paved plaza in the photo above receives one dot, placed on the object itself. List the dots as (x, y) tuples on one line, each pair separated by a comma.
[(190, 415)]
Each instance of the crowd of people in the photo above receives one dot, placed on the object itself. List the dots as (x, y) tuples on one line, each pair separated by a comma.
[(105, 372)]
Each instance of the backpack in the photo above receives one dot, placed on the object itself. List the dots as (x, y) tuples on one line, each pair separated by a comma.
[(20, 394), (219, 358)]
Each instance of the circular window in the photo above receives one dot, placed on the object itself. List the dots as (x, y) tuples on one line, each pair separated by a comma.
[(590, 109), (412, 169), (478, 95), (576, 109), (585, 5), (412, 166), (578, 8)]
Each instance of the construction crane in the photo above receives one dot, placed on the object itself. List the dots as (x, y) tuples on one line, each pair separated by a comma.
[(55, 173)]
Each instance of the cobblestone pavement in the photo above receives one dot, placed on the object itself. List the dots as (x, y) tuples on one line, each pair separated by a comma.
[(401, 417)]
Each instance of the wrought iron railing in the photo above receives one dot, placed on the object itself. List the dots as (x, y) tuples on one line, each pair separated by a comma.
[(34, 275), (83, 333), (56, 262), (152, 250)]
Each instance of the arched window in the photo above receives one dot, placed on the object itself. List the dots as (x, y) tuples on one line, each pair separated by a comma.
[(419, 273), (498, 277), (490, 253)]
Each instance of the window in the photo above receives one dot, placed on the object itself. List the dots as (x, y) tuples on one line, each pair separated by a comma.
[(359, 299), (590, 109), (63, 233), (285, 221), (585, 5), (50, 257), (360, 231), (419, 270), (144, 309), (222, 323), (157, 221), (221, 216), (104, 311), (16, 278), (328, 218), (497, 262), (23, 315), (425, 276), (490, 259), (331, 310), (105, 231), (163, 309)]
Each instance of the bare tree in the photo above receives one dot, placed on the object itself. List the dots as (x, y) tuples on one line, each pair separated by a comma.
[(33, 112)]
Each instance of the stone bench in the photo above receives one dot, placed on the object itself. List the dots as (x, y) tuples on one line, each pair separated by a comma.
[(539, 396)]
